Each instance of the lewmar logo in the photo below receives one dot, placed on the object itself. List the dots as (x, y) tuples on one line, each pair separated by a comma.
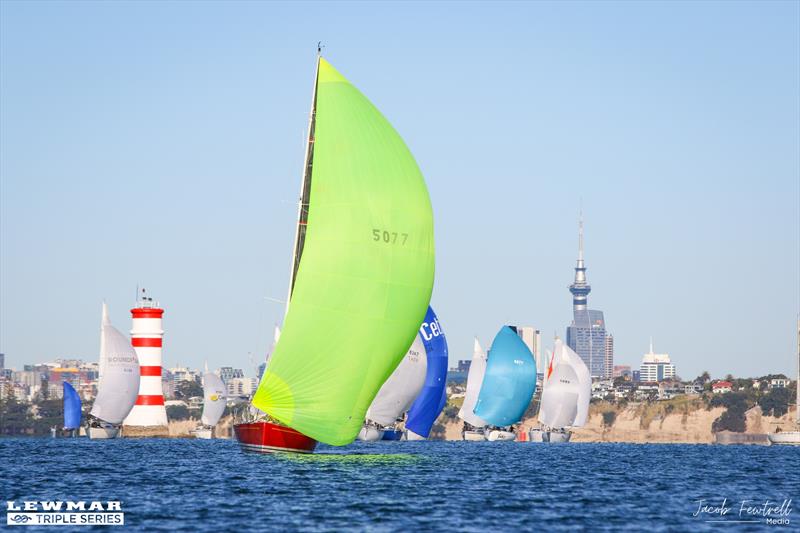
[(55, 513)]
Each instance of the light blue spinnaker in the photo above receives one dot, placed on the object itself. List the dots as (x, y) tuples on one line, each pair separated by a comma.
[(72, 407), (509, 381), (426, 408)]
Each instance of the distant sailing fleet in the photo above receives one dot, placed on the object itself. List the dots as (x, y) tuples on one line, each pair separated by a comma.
[(361, 354)]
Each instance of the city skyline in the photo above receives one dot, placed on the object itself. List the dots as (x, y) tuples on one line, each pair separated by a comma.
[(173, 162)]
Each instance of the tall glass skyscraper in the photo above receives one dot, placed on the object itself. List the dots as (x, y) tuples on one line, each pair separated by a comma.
[(587, 333)]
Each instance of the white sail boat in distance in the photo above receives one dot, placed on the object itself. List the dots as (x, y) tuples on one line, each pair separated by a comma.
[(473, 424), (118, 385), (565, 399), (214, 400)]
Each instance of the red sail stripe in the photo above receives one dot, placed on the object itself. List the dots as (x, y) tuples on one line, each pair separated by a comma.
[(155, 399), (150, 371), (146, 342)]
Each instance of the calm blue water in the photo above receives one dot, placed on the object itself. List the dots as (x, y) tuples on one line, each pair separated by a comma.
[(195, 485)]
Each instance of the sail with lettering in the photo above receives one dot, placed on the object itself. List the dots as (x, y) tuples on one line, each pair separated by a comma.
[(362, 272), (509, 382), (430, 402), (118, 386), (214, 398), (72, 407)]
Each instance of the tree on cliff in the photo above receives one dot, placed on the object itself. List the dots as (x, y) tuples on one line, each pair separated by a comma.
[(775, 402), (733, 419)]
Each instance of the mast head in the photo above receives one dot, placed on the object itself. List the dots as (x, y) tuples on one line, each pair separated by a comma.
[(104, 321)]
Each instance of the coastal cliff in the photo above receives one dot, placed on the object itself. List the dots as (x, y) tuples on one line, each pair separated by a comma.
[(688, 423)]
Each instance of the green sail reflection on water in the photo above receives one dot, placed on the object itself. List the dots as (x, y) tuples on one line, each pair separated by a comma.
[(365, 276)]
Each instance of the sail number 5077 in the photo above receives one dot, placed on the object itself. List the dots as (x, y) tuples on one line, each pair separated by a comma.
[(390, 237)]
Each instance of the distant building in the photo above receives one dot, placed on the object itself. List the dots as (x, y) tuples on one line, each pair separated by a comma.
[(621, 371), (261, 368), (459, 373), (532, 338), (609, 356), (167, 384), (721, 387), (586, 335), (182, 373), (779, 383), (241, 386), (656, 366), (226, 373), (636, 376), (55, 391), (693, 388), (2, 361), (31, 380)]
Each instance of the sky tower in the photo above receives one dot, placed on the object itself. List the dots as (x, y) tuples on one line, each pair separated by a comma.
[(149, 416), (587, 335)]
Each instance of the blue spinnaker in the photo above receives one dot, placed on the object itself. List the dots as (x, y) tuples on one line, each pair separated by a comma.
[(72, 407), (426, 408), (509, 381)]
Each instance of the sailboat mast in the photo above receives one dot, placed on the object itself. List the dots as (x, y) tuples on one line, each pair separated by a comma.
[(305, 188)]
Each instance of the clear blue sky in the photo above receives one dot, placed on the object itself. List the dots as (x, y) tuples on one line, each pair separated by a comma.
[(161, 144)]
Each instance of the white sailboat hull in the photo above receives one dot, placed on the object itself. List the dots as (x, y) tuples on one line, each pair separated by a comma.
[(474, 435), (536, 435), (370, 434), (500, 435), (791, 438), (410, 435), (105, 432), (203, 433), (556, 437)]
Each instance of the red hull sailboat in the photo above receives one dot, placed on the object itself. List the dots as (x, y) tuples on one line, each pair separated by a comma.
[(356, 303), (266, 437)]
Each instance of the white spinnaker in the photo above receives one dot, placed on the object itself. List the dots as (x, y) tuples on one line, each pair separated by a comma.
[(213, 399), (119, 386), (477, 369), (560, 396), (584, 385), (402, 388)]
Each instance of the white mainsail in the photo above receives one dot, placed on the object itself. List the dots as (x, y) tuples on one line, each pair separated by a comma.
[(402, 388), (477, 369), (275, 336), (118, 386), (213, 399), (566, 391)]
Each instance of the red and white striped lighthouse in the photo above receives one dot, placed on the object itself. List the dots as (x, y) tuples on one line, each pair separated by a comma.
[(146, 336)]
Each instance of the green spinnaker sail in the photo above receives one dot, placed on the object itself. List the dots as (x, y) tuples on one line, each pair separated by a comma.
[(365, 276)]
